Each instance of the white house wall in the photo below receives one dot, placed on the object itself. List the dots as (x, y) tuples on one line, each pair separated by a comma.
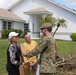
[(26, 5), (18, 25), (57, 11), (34, 25), (30, 23), (1, 28), (12, 26), (36, 29)]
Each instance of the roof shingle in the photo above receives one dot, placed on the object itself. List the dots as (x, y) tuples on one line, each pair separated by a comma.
[(9, 15)]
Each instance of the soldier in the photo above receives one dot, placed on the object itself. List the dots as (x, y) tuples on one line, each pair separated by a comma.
[(47, 48)]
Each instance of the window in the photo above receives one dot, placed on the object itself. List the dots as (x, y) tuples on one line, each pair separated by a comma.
[(7, 25), (26, 26), (4, 25)]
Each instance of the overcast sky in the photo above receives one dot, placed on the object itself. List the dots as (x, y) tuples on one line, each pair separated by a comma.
[(68, 3)]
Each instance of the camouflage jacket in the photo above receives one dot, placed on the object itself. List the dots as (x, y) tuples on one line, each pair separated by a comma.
[(47, 48)]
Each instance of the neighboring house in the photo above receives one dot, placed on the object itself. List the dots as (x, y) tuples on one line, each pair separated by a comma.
[(32, 11), (9, 20)]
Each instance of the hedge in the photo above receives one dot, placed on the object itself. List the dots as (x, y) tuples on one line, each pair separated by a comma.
[(73, 37), (5, 32)]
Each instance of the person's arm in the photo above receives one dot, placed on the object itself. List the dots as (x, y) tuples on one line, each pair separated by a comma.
[(38, 49), (12, 52)]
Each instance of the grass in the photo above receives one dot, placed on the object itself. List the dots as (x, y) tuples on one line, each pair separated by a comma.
[(64, 47)]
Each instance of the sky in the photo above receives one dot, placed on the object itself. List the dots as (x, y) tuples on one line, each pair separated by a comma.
[(69, 3)]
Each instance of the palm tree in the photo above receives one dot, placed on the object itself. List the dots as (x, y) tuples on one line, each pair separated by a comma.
[(48, 19), (60, 23), (54, 22)]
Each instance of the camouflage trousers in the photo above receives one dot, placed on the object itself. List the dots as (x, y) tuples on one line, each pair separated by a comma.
[(46, 74)]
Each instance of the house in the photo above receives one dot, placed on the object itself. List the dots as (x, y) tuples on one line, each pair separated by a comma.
[(32, 11), (9, 20)]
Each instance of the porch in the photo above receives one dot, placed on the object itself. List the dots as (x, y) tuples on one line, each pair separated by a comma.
[(34, 16)]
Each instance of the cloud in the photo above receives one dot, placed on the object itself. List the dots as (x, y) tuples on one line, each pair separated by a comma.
[(71, 2), (6, 3)]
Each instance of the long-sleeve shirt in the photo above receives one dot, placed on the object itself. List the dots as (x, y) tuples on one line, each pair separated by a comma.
[(47, 48), (14, 54)]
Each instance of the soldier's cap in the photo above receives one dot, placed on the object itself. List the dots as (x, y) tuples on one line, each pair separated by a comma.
[(46, 25)]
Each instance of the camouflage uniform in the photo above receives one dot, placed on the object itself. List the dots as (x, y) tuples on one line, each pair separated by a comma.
[(46, 74), (47, 48)]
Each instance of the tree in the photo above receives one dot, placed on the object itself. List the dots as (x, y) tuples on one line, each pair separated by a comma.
[(60, 23), (54, 22), (47, 19)]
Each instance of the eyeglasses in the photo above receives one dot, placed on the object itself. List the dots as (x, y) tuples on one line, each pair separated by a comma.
[(42, 28)]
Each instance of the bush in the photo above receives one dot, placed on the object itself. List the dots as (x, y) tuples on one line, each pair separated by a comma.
[(5, 32), (23, 33), (73, 37)]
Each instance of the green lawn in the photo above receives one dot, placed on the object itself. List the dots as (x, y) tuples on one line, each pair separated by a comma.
[(64, 47)]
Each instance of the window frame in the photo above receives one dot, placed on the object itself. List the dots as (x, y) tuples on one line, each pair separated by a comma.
[(8, 24), (26, 26)]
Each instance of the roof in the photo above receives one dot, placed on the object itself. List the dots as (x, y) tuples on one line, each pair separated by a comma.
[(39, 10), (52, 1), (15, 4), (5, 14), (62, 6)]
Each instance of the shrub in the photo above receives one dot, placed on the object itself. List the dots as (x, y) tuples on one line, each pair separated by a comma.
[(73, 37), (23, 33), (5, 32)]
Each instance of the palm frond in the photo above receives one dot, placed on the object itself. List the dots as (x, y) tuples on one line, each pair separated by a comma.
[(48, 19), (62, 22)]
